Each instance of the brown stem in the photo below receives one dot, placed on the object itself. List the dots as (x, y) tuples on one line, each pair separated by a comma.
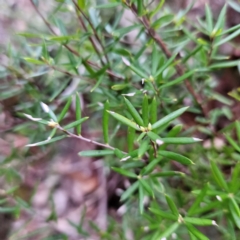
[(111, 73), (180, 70), (90, 38), (86, 139), (93, 28), (154, 148)]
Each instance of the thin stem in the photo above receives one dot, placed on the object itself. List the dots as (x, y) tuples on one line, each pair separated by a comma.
[(93, 28), (111, 73), (90, 38), (86, 139), (180, 70)]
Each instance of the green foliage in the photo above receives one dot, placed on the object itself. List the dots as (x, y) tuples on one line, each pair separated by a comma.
[(141, 88)]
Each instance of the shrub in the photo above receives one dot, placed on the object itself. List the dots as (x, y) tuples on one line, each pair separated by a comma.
[(147, 87)]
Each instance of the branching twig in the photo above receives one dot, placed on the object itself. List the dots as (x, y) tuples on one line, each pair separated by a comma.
[(90, 38), (93, 28), (86, 139), (180, 70), (111, 73)]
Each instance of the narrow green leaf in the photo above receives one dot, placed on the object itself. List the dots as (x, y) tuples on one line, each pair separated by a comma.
[(49, 111), (234, 184), (29, 35), (155, 59), (192, 53), (165, 234), (172, 205), (228, 38), (62, 38), (105, 121), (199, 221), (218, 176), (118, 153), (221, 98), (164, 215), (208, 207), (145, 111), (174, 140), (153, 111), (124, 120), (237, 124), (221, 19), (175, 131), (138, 71), (178, 80), (199, 199), (133, 112), (81, 3), (143, 148), (141, 136), (95, 153), (76, 123), (99, 81), (234, 206), (168, 174), (108, 5), (232, 142), (166, 65), (232, 29), (44, 50), (170, 117), (163, 21), (46, 141), (127, 194), (209, 18), (176, 157), (231, 229), (223, 64), (141, 198), (34, 61), (146, 186), (157, 9), (12, 210), (234, 214), (59, 90), (140, 7), (65, 109), (234, 5), (124, 172), (135, 153), (131, 138), (119, 87), (149, 168), (125, 30), (78, 113), (195, 232), (53, 132)]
